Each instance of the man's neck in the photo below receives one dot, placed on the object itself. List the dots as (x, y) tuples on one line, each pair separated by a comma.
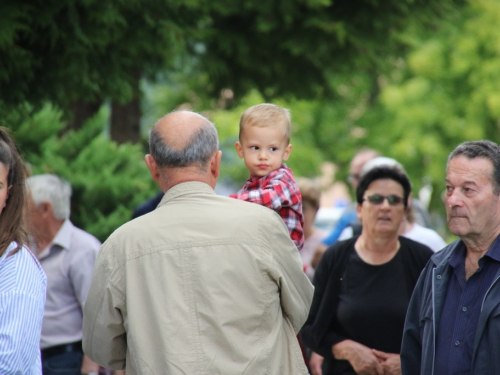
[(479, 244), (476, 247), (173, 178), (43, 237)]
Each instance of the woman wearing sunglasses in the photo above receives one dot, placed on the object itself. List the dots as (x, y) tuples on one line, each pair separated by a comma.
[(363, 285)]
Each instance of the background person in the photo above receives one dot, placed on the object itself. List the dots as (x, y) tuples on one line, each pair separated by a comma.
[(22, 280), (310, 205), (67, 255), (453, 324), (363, 285), (350, 216), (148, 206), (409, 227), (204, 283), (264, 145)]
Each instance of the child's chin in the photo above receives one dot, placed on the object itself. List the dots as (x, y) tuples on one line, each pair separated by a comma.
[(261, 173)]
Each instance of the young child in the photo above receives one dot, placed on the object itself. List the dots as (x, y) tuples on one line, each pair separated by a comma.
[(264, 144)]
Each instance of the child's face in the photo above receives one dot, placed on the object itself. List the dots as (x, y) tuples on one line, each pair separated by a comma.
[(263, 149)]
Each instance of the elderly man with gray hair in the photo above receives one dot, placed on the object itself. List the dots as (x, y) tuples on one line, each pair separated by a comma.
[(67, 255), (204, 284)]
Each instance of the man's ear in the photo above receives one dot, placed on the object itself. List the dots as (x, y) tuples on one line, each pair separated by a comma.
[(153, 167), (239, 149), (215, 163), (288, 149), (45, 208)]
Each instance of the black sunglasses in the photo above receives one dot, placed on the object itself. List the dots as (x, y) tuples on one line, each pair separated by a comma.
[(377, 199)]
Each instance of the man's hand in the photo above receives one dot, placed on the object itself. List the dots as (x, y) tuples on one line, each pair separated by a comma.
[(315, 363), (88, 366), (361, 358), (391, 362)]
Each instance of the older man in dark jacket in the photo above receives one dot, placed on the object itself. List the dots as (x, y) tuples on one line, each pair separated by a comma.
[(453, 321)]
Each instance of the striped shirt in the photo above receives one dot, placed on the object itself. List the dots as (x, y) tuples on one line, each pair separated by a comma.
[(22, 299)]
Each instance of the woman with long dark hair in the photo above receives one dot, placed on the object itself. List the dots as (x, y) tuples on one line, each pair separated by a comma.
[(22, 280)]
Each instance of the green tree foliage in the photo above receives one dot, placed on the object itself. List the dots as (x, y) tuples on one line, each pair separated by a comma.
[(77, 54), (447, 93), (62, 51), (108, 180), (294, 48)]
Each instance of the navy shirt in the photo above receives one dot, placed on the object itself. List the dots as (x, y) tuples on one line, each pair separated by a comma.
[(148, 206), (464, 298)]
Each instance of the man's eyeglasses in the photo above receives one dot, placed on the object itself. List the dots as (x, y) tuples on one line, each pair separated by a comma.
[(377, 199)]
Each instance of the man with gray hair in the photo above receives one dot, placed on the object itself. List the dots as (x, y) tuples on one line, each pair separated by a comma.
[(453, 320), (67, 255), (204, 283)]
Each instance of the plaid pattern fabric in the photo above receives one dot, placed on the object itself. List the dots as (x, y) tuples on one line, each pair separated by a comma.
[(279, 192)]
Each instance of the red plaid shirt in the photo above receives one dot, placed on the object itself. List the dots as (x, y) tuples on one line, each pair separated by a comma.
[(279, 192)]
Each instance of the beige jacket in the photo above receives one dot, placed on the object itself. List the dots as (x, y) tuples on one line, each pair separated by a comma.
[(204, 284)]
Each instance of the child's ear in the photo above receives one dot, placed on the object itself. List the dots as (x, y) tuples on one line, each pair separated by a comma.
[(239, 149), (288, 149)]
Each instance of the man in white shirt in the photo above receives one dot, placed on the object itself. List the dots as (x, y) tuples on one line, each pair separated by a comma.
[(67, 255)]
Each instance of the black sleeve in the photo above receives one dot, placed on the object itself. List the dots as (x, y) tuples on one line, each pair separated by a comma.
[(316, 332), (411, 347)]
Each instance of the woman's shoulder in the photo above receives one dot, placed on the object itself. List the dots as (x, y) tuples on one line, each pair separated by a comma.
[(340, 249), (21, 270)]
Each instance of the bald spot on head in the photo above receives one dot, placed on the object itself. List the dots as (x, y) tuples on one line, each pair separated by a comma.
[(177, 128), (361, 158), (357, 163)]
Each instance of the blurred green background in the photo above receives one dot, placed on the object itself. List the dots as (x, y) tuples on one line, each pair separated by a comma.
[(82, 81)]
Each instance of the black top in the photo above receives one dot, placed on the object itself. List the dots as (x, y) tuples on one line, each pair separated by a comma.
[(362, 302)]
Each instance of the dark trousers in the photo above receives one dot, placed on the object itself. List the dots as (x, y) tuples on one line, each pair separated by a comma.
[(66, 361)]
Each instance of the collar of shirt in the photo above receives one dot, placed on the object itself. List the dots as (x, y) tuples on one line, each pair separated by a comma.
[(62, 239), (271, 175), (494, 250), (4, 256), (458, 256), (185, 188)]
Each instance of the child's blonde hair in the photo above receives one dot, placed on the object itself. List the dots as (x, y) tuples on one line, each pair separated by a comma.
[(266, 115)]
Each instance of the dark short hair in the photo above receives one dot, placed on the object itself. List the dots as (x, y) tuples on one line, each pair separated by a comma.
[(11, 219), (383, 173), (481, 149)]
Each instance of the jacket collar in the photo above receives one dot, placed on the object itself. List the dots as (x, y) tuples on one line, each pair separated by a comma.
[(441, 258)]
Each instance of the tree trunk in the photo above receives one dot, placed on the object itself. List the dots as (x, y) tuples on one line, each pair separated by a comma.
[(125, 121), (125, 118), (79, 112)]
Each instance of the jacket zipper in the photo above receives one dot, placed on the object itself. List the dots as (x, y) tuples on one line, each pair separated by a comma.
[(486, 294), (482, 306)]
